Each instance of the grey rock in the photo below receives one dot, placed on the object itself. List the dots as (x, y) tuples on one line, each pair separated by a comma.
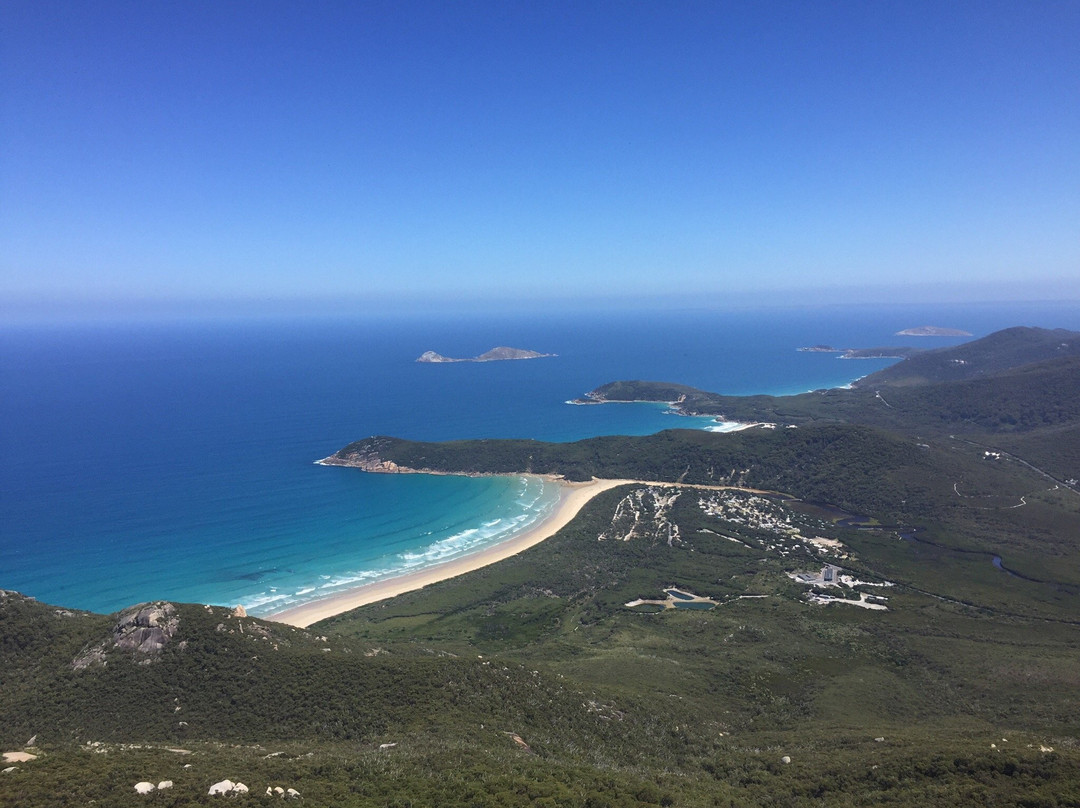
[(95, 655), (146, 628)]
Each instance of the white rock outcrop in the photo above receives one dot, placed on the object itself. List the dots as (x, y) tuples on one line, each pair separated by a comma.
[(164, 784), (144, 787), (224, 787), (18, 757)]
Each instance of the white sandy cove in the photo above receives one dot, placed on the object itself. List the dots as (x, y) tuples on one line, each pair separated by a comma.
[(572, 498)]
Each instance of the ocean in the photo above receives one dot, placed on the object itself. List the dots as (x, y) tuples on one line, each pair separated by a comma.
[(175, 459)]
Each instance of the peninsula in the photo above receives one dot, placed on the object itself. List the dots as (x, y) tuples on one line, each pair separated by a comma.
[(1015, 380), (932, 331), (895, 352), (498, 354), (892, 352)]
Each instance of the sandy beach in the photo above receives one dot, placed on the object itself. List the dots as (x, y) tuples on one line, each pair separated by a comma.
[(572, 499)]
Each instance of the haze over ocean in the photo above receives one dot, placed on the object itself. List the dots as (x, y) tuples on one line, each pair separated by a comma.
[(175, 460)]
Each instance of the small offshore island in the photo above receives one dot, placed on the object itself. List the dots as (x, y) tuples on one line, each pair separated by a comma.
[(498, 354)]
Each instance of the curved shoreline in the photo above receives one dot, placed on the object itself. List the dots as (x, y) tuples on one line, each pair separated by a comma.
[(572, 498)]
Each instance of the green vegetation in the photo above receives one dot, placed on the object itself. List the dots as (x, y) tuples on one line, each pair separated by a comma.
[(1030, 397), (1015, 390), (531, 682), (1002, 350), (898, 352)]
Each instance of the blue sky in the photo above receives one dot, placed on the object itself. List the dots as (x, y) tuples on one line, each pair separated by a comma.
[(392, 154)]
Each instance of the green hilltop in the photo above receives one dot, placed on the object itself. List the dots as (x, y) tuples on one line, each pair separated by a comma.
[(873, 602)]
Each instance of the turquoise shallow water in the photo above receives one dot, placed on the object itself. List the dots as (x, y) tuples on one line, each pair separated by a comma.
[(176, 460)]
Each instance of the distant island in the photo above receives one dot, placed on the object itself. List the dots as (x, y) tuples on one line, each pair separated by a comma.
[(498, 354), (932, 331)]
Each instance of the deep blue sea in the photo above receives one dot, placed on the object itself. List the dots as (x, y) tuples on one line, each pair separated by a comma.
[(176, 459)]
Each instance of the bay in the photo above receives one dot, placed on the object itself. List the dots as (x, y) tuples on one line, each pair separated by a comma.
[(174, 460)]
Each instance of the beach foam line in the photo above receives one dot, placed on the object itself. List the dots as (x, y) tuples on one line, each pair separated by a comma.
[(572, 498), (729, 426)]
